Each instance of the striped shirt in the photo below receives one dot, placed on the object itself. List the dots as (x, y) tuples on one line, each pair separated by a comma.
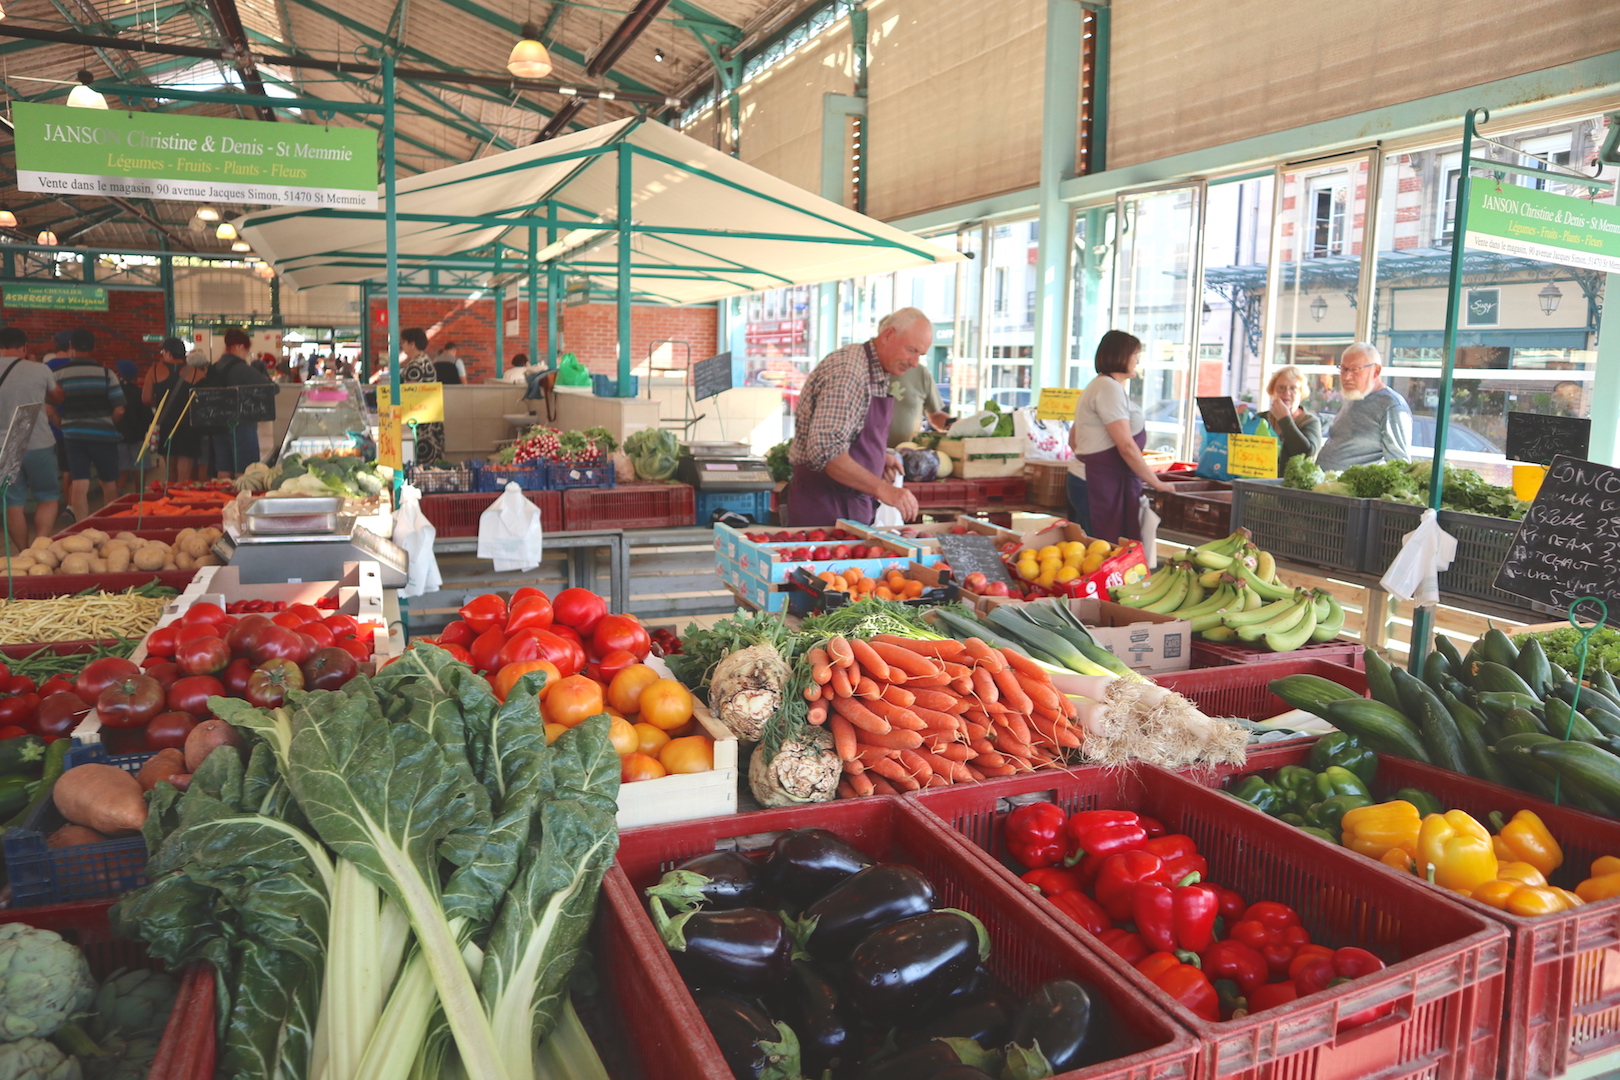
[(91, 394), (833, 404)]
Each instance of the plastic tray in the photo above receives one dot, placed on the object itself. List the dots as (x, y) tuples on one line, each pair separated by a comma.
[(755, 504), (456, 481), (999, 489), (1563, 1002), (957, 494), (1448, 963), (457, 515), (1221, 654), (1482, 546), (630, 506), (1027, 946), (1301, 526), (1200, 507), (40, 875), (494, 478), (1241, 691)]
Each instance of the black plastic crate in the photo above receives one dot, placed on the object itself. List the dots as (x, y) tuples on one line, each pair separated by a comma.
[(1482, 546), (1300, 526), (457, 481)]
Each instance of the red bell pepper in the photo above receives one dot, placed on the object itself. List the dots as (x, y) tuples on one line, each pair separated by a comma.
[(1180, 856), (1187, 986), (1119, 877), (1152, 826), (1051, 880), (1342, 966), (1305, 955), (1083, 910), (1271, 995), (1353, 963), (1277, 944), (1034, 835), (1175, 917), (1236, 961), (1103, 832), (1232, 906), (1275, 916), (1126, 943)]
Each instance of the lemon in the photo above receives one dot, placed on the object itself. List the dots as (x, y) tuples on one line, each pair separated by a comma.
[(1028, 570), (1102, 547), (1067, 574), (1072, 547), (1049, 551), (1091, 564), (1046, 579)]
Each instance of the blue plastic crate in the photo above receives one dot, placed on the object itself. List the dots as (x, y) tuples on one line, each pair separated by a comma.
[(493, 478), (562, 475), (756, 505), (602, 386), (40, 875)]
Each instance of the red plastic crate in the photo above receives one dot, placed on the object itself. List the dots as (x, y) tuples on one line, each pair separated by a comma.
[(55, 648), (1241, 690), (48, 585), (1027, 947), (629, 506), (998, 489), (457, 515), (85, 925), (955, 494), (1563, 999), (1448, 963), (143, 525), (1207, 654)]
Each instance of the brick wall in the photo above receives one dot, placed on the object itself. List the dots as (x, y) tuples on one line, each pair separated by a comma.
[(131, 315)]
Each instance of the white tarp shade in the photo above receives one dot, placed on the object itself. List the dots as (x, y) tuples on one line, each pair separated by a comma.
[(676, 182)]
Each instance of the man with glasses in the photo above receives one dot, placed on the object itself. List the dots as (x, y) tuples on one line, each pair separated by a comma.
[(1375, 423)]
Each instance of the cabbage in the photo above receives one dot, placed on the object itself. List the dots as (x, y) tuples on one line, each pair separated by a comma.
[(920, 466), (653, 452)]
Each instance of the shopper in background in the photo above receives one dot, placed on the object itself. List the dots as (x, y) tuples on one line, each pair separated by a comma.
[(132, 426), (60, 353), (518, 373), (1299, 431), (168, 386), (916, 395), (448, 366), (236, 447), (1375, 423), (1107, 436), (92, 405), (418, 367), (25, 382)]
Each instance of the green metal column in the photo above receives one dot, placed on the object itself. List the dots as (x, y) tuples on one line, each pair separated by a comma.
[(1060, 124), (88, 262), (391, 225), (534, 289), (166, 279), (365, 330), (1091, 267), (626, 175), (553, 293), (1606, 383)]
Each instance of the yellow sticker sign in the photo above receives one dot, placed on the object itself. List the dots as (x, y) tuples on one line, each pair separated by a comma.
[(390, 437), (1251, 455), (1057, 403), (424, 402)]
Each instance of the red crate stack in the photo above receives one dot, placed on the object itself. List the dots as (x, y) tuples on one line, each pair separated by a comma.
[(457, 515), (994, 490), (1242, 691), (629, 506)]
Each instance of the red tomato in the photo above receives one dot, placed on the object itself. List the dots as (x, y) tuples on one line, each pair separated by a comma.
[(277, 643), (160, 642), (484, 613), (306, 613), (168, 730), (19, 709), (12, 731), (458, 653), (56, 684), (457, 633), (565, 655), (203, 656), (625, 633), (340, 625), (613, 663), (203, 612), (97, 675), (59, 714), (245, 635), (235, 677), (530, 613), (288, 619), (191, 694), (563, 630), (18, 684), (184, 632), (319, 633), (5, 670), (486, 649), (165, 672), (268, 685), (523, 594), (306, 647), (521, 646), (130, 703), (329, 669), (579, 608), (357, 649)]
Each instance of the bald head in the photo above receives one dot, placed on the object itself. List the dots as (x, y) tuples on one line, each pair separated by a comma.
[(903, 338)]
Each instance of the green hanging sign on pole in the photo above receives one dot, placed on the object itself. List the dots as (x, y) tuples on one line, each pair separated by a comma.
[(68, 151), (1508, 219), (55, 297)]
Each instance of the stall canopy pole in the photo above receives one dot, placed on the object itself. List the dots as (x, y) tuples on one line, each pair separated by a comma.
[(626, 164), (391, 227), (533, 300), (365, 331), (551, 293)]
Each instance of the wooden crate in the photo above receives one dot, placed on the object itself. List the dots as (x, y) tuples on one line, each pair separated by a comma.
[(974, 459), (1048, 483), (686, 796)]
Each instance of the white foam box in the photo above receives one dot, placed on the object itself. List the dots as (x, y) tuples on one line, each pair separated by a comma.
[(685, 796)]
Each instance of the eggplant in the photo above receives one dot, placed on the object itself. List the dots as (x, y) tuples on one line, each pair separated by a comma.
[(746, 949), (985, 1022), (897, 974), (805, 864), (731, 880), (750, 1041), (874, 897), (1056, 1020), (922, 1062), (813, 1007)]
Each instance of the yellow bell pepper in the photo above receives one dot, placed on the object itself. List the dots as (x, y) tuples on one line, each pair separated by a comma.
[(1400, 858), (1533, 900), (1495, 893), (1456, 850), (1526, 839), (1600, 887), (1522, 872), (1605, 865), (1373, 830)]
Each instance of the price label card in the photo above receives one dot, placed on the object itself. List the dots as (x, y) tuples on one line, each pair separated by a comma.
[(390, 437), (1057, 403), (1251, 455), (424, 402)]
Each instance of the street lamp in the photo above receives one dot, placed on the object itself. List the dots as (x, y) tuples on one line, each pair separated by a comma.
[(1318, 309), (1549, 298)]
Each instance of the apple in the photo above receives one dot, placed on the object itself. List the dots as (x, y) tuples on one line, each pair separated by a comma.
[(841, 551), (975, 582), (994, 588), (816, 536), (959, 530), (822, 554)]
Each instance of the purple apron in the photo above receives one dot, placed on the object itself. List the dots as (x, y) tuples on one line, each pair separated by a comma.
[(1115, 492), (814, 498)]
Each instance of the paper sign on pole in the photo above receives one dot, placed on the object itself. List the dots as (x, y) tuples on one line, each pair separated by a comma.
[(1057, 402), (390, 437), (423, 401), (1254, 456), (1544, 226)]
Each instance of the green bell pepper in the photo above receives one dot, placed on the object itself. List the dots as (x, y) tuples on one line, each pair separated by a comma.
[(1337, 780), (1426, 803), (1321, 834), (1296, 820), (1258, 794), (1296, 778), (1345, 751), (1330, 812)]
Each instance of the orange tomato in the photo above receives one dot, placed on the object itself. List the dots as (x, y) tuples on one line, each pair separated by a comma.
[(883, 592), (666, 704), (639, 766), (693, 754), (624, 692), (852, 574), (506, 678), (650, 740), (623, 736), (572, 700), (552, 731), (914, 589)]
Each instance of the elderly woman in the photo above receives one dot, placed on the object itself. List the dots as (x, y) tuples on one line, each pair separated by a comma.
[(1108, 436), (1300, 431)]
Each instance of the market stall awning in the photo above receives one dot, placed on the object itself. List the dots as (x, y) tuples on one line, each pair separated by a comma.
[(703, 225)]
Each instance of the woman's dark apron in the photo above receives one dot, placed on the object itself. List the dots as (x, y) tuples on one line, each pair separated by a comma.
[(1115, 493), (814, 498)]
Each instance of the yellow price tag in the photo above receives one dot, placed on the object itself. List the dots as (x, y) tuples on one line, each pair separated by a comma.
[(424, 402), (1057, 403), (1251, 455), (390, 437)]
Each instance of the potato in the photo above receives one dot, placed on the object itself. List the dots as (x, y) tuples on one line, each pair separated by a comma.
[(39, 570), (56, 550), (41, 543), (98, 566), (129, 538), (204, 739), (95, 536), (79, 542), (23, 561), (73, 836), (160, 545), (184, 561), (117, 558), (76, 562), (161, 766), (104, 797), (169, 563), (47, 558), (148, 557), (206, 560), (193, 546), (183, 535), (211, 534)]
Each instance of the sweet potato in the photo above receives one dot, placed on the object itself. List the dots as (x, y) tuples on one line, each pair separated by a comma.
[(73, 836), (104, 797), (164, 765), (204, 738)]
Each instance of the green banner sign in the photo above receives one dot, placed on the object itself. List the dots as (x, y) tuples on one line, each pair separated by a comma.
[(56, 297), (66, 151), (1513, 220)]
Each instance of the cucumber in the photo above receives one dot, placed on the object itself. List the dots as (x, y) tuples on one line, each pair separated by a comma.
[(1604, 682), (1518, 752), (1436, 670), (1438, 730), (55, 759), (13, 794), (1532, 666), (1377, 725), (1379, 684), (1492, 678), (1605, 721), (1559, 675), (1564, 722), (1523, 776), (1498, 648), (1494, 704), (1517, 722), (1476, 749), (1445, 646), (1311, 693), (1585, 766)]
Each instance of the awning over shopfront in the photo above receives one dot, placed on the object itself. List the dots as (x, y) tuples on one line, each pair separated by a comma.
[(700, 225)]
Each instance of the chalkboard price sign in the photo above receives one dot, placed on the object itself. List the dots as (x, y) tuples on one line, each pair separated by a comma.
[(1536, 439), (1220, 416), (214, 407), (1569, 543), (258, 404), (711, 376), (965, 554)]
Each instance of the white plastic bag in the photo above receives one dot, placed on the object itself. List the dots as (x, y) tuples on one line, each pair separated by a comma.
[(1425, 551), (509, 531), (1150, 530), (975, 426), (888, 515), (415, 534), (1044, 440)]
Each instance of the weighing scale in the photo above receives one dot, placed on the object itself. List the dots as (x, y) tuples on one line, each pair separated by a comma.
[(723, 466), (273, 554)]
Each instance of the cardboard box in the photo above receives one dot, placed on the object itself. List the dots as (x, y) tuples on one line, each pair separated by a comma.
[(984, 457), (924, 542), (1127, 564), (1146, 641)]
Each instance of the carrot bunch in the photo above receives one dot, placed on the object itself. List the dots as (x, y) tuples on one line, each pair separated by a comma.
[(907, 713)]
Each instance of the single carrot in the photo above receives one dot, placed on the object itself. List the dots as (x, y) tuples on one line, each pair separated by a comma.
[(839, 652), (956, 751), (984, 654), (975, 729), (1023, 664), (995, 708), (1070, 709), (1048, 729), (827, 692), (867, 754), (881, 786), (1016, 723), (928, 681), (868, 689), (897, 715), (856, 766), (937, 780), (896, 676), (900, 696), (939, 701), (943, 649), (840, 683), (817, 713), (861, 783), (984, 685), (1007, 683), (943, 721), (1008, 744), (1004, 769), (845, 791), (955, 670), (948, 767), (896, 774), (858, 714), (935, 741), (906, 660), (820, 666), (867, 657), (812, 692), (917, 765), (843, 737), (975, 772), (898, 739), (962, 684), (1039, 693)]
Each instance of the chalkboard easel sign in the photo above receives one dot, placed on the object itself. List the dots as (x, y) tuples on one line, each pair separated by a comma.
[(258, 404), (973, 552), (1568, 545), (711, 376), (1220, 416), (1536, 439), (214, 407)]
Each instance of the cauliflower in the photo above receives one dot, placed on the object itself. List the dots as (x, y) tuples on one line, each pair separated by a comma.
[(43, 981), (36, 1059), (133, 1003)]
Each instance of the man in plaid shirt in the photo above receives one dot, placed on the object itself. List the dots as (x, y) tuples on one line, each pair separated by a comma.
[(842, 467)]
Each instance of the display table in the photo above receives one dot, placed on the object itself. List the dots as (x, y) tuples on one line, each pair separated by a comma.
[(582, 546)]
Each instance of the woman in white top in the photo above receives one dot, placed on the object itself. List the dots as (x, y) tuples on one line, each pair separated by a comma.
[(518, 373), (1107, 437)]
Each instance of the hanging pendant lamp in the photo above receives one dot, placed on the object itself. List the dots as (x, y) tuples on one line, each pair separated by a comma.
[(81, 96), (225, 231), (529, 59), (8, 220)]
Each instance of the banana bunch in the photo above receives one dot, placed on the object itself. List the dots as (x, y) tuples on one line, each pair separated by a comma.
[(1228, 590)]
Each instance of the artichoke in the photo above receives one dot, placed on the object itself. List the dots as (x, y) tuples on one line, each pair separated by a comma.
[(43, 981), (36, 1059), (133, 1003)]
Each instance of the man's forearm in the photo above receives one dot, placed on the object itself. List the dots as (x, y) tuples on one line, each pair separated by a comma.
[(848, 472)]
